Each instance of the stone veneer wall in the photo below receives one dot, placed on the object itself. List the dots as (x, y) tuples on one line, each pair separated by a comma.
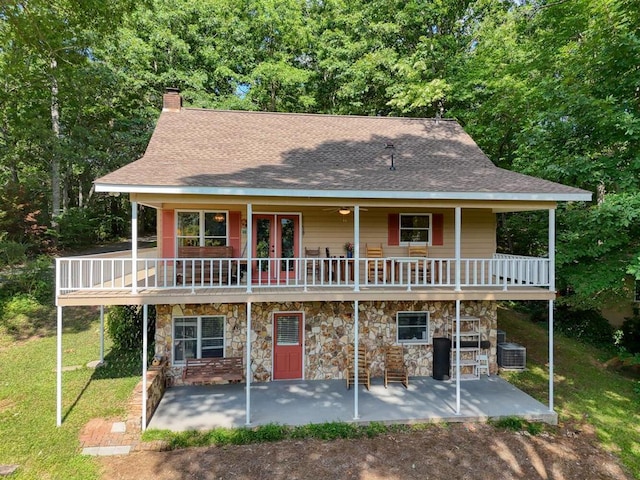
[(156, 383), (328, 330)]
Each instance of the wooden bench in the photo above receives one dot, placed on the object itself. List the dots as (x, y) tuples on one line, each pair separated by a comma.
[(204, 271), (212, 370)]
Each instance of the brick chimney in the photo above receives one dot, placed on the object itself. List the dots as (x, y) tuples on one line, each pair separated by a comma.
[(172, 100)]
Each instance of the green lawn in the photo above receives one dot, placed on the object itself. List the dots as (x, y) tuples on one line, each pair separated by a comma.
[(29, 435), (585, 392)]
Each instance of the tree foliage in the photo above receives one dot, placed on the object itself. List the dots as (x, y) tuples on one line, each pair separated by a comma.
[(548, 88)]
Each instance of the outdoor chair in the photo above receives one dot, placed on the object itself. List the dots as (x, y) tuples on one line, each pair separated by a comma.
[(483, 364), (364, 377), (395, 369), (375, 268), (313, 265)]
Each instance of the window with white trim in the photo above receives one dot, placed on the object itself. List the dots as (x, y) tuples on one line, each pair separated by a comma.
[(415, 228), (413, 327), (197, 337), (202, 228)]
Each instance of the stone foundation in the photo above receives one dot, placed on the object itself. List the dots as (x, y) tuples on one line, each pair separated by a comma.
[(328, 329)]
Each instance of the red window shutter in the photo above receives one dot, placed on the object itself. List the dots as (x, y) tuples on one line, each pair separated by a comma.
[(234, 232), (437, 236), (168, 234), (394, 230)]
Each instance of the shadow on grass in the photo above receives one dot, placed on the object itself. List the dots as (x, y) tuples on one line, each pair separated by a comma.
[(117, 364), (23, 318)]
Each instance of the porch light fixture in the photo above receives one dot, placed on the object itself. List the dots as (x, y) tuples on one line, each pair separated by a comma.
[(218, 217), (344, 211)]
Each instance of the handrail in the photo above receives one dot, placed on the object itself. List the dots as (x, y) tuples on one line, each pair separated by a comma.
[(95, 273)]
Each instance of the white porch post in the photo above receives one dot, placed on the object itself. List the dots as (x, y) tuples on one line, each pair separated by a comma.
[(145, 322), (458, 228), (101, 334), (249, 247), (356, 415), (59, 367), (356, 248), (552, 288), (134, 247), (457, 347), (248, 369)]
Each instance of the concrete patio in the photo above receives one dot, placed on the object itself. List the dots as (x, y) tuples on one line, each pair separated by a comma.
[(302, 402)]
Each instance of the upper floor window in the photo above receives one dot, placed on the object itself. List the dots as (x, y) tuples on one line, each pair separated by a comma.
[(202, 229), (415, 228)]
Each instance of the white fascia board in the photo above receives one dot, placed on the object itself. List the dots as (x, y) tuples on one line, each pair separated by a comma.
[(336, 194)]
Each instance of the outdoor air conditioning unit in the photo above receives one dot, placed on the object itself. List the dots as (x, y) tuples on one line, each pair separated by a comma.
[(502, 336), (512, 356)]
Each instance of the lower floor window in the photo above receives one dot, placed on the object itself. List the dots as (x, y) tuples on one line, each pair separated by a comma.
[(197, 337), (413, 327)]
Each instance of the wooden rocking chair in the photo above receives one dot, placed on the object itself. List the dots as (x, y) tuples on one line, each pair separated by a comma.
[(375, 267), (395, 369), (364, 378)]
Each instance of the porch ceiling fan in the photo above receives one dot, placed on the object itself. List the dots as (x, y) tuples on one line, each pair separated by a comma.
[(342, 210)]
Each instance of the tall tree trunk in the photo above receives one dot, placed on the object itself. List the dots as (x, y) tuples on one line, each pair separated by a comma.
[(55, 160)]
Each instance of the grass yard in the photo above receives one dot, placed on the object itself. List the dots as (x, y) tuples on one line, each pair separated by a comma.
[(585, 391), (29, 435)]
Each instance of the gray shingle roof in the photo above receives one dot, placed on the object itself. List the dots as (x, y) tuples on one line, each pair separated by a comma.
[(196, 149)]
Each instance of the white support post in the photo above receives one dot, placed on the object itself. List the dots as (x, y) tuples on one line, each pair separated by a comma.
[(59, 367), (457, 347), (552, 250), (356, 247), (145, 322), (248, 369), (458, 229), (249, 246), (134, 247), (552, 288), (356, 414), (551, 355), (101, 334)]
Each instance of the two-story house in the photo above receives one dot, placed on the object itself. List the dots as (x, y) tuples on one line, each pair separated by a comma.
[(286, 238)]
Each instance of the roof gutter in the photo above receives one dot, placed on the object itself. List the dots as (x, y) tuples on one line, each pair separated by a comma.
[(580, 195)]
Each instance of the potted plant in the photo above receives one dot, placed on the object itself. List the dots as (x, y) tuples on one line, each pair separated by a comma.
[(348, 247)]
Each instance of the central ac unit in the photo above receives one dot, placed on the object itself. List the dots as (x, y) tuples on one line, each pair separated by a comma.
[(512, 356)]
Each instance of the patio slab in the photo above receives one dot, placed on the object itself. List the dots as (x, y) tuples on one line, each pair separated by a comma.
[(302, 402)]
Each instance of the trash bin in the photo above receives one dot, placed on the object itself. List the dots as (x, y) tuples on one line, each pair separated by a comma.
[(441, 358)]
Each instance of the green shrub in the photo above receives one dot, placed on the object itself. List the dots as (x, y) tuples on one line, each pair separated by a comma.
[(630, 338), (23, 316), (35, 278), (12, 253), (124, 326), (587, 326)]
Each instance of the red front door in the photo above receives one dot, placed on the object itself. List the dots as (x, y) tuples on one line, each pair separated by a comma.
[(287, 346)]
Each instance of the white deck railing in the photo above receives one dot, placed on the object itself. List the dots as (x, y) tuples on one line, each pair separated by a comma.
[(100, 274)]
